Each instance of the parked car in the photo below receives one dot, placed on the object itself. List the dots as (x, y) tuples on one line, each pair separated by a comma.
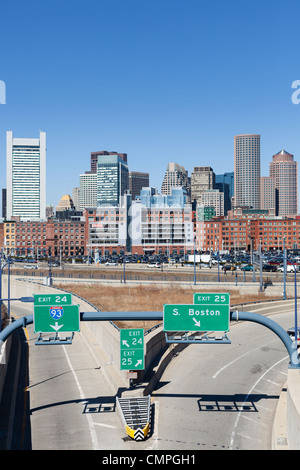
[(153, 265), (271, 268), (289, 268), (248, 267), (228, 267), (275, 261), (30, 266)]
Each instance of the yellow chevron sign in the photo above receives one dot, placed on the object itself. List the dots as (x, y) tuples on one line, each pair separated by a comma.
[(139, 433)]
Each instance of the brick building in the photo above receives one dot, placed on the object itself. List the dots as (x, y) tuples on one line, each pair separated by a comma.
[(244, 233), (44, 238)]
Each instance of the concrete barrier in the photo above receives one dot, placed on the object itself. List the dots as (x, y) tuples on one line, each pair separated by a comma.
[(4, 358), (293, 409)]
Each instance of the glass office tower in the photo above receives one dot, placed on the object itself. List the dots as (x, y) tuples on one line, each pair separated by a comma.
[(112, 179)]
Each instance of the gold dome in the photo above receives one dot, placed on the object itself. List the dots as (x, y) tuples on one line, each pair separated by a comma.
[(66, 202)]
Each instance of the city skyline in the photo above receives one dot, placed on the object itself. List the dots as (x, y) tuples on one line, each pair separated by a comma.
[(182, 95), (245, 146)]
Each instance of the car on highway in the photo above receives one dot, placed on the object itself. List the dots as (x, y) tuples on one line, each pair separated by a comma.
[(111, 263), (291, 332), (30, 266)]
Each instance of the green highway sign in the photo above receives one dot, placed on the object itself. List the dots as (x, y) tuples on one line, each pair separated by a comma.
[(53, 299), (206, 317), (132, 349), (56, 318), (211, 298)]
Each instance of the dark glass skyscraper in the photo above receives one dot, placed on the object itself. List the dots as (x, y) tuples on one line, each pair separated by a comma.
[(112, 179), (225, 184)]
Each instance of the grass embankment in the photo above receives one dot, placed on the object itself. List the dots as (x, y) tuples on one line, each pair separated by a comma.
[(141, 298)]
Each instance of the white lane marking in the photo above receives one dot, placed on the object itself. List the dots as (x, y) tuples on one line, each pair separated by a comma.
[(273, 383), (254, 420), (105, 425), (246, 399), (89, 419), (244, 436), (238, 358)]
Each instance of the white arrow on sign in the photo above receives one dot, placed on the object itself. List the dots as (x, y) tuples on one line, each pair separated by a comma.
[(56, 327), (125, 342), (197, 323), (138, 363)]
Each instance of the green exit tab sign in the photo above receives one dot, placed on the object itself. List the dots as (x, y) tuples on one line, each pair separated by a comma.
[(53, 299), (212, 298)]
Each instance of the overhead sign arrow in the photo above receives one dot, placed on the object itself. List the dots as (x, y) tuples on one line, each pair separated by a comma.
[(124, 342), (197, 323), (138, 362), (56, 327)]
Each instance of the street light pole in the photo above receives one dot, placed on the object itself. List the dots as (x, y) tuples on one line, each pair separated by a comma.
[(1, 270), (124, 266), (8, 291), (284, 269), (194, 260)]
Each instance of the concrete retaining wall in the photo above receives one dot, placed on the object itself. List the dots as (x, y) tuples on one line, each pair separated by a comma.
[(4, 358), (293, 409)]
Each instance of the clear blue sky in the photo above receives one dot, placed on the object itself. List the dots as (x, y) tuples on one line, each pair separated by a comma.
[(160, 80)]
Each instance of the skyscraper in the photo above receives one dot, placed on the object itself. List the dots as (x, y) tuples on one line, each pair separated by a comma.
[(284, 170), (76, 197), (112, 179), (95, 155), (213, 198), (225, 184), (137, 181), (88, 190), (202, 179), (26, 177), (247, 170), (176, 175), (268, 193)]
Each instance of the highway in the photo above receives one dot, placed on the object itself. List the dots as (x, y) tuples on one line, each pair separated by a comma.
[(223, 396), (135, 272), (209, 397)]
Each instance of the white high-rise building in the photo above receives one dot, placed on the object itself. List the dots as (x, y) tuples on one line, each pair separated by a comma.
[(88, 190), (26, 177), (175, 175)]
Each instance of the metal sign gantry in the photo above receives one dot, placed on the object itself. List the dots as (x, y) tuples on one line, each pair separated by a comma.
[(290, 345)]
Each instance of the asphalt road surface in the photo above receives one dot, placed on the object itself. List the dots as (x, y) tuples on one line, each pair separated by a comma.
[(209, 397)]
